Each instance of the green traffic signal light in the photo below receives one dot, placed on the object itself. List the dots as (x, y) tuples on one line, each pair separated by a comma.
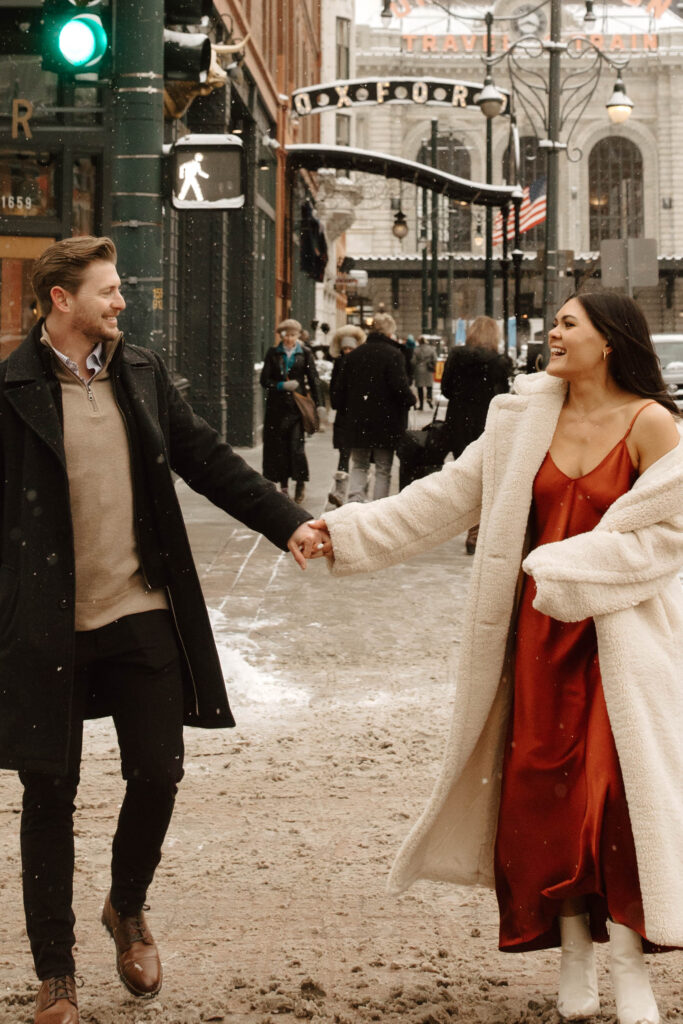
[(74, 39), (82, 40)]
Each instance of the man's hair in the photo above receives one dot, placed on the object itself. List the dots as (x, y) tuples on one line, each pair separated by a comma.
[(384, 324), (65, 264)]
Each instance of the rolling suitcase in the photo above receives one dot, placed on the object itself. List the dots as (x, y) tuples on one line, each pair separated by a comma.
[(422, 452)]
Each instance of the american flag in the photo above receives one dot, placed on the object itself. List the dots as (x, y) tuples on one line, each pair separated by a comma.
[(532, 212)]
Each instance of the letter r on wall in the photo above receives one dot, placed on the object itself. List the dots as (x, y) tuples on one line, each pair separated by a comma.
[(22, 111)]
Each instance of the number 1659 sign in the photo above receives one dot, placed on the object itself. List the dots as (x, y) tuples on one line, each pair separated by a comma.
[(207, 172)]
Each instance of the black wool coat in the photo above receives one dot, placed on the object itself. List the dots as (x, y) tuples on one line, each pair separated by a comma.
[(373, 394), (37, 573), (471, 378), (338, 430)]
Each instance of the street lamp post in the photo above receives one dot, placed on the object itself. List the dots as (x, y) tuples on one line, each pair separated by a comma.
[(491, 103), (530, 88), (488, 259), (541, 101), (435, 231), (552, 145)]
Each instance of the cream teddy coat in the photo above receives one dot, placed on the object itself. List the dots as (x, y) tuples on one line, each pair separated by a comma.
[(623, 574)]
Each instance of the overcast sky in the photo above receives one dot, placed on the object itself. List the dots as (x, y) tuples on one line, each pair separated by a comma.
[(622, 18)]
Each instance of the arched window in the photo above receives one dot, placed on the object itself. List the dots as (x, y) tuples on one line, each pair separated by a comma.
[(532, 168), (615, 174), (453, 156)]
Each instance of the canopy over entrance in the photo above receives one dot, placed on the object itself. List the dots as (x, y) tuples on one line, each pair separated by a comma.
[(313, 156)]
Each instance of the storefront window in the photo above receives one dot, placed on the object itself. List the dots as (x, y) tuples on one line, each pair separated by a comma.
[(18, 310), (27, 184)]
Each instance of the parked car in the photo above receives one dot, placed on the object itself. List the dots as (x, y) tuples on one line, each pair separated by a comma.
[(669, 348)]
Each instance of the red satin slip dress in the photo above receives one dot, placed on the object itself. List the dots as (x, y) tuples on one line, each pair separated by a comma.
[(563, 828)]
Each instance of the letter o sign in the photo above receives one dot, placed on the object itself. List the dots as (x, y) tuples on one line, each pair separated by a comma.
[(420, 92)]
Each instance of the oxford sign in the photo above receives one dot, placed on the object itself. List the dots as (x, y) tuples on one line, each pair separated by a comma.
[(361, 92)]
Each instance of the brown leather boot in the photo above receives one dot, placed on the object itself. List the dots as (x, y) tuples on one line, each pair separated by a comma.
[(137, 957), (56, 1001)]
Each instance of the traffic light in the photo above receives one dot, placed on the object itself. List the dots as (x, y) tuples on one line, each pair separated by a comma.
[(75, 36), (187, 55)]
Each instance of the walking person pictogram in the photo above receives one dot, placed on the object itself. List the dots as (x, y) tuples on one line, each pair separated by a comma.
[(188, 173)]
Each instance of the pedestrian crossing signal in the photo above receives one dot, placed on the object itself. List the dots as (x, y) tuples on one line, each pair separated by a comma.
[(207, 172), (75, 39)]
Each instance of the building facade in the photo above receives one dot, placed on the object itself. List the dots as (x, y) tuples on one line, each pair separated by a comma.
[(215, 283), (616, 181)]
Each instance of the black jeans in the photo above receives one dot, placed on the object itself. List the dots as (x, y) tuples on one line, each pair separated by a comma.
[(344, 460), (131, 668)]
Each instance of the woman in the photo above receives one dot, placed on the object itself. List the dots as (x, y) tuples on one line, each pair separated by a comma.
[(344, 340), (473, 374), (561, 783), (424, 364), (288, 367)]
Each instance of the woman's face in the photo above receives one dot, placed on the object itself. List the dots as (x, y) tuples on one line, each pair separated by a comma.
[(576, 347), (346, 349), (290, 338)]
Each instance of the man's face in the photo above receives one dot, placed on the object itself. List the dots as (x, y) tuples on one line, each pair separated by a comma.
[(97, 303)]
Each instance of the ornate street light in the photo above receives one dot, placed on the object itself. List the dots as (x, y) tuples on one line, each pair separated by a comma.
[(490, 101), (550, 105), (619, 106), (400, 226)]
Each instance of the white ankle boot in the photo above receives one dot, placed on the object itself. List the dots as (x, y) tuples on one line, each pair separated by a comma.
[(337, 495), (578, 993), (632, 992)]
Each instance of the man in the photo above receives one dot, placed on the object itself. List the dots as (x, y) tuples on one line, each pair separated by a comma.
[(373, 396), (101, 610)]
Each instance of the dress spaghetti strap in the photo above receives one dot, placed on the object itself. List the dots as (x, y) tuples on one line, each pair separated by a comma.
[(630, 426)]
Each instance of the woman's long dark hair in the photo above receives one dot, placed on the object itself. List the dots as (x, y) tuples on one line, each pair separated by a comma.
[(633, 362)]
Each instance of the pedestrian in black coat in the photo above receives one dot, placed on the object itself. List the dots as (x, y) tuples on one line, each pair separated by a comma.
[(374, 396), (474, 373), (288, 366), (344, 340), (101, 609)]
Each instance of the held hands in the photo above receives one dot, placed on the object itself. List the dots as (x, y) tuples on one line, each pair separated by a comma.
[(290, 385), (310, 540)]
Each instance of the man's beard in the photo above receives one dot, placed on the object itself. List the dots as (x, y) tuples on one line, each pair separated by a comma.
[(95, 330)]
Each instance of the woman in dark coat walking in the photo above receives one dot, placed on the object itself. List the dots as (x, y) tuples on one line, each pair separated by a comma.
[(473, 374), (288, 367)]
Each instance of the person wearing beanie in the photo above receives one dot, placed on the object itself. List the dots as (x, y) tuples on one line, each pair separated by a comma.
[(344, 340), (289, 366), (373, 396)]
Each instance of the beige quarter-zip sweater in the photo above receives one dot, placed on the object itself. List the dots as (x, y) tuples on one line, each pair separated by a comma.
[(109, 579)]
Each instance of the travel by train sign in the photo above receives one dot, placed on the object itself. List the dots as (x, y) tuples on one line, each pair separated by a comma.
[(443, 92)]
